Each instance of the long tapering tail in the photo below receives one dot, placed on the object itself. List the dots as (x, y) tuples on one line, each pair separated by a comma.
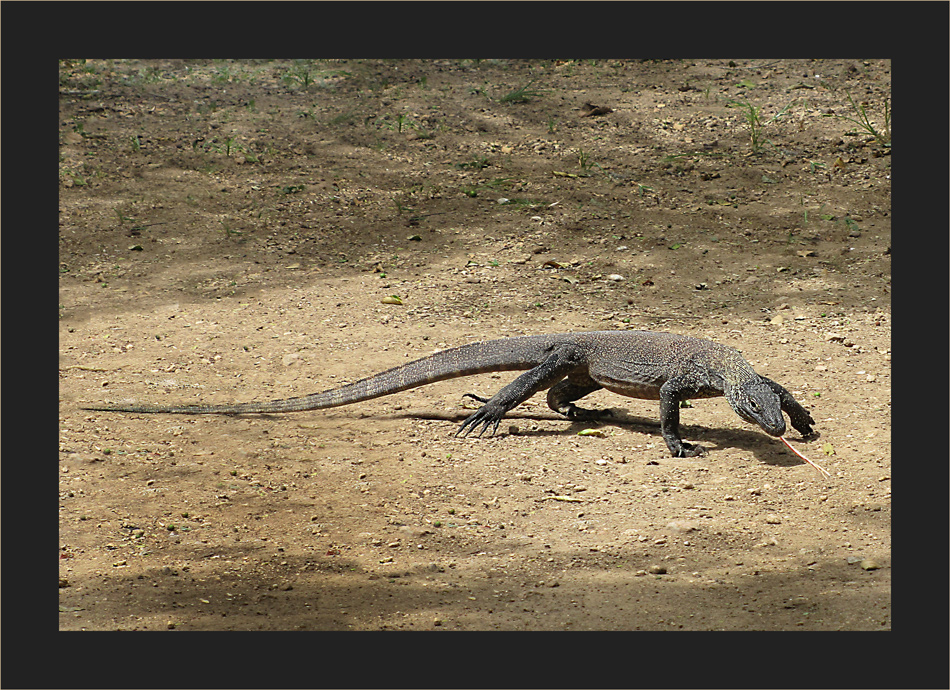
[(507, 354)]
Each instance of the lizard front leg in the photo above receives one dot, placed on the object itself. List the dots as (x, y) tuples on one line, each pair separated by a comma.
[(800, 417), (670, 397)]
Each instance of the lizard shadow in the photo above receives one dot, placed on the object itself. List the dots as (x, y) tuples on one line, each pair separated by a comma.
[(766, 449)]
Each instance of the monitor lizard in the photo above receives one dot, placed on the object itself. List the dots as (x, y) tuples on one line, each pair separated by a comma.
[(667, 367)]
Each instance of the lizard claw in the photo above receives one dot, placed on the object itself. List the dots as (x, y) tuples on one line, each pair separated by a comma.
[(688, 450), (802, 421), (572, 411), (475, 397), (486, 417)]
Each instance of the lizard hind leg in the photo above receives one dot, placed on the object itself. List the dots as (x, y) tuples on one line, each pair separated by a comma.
[(562, 395)]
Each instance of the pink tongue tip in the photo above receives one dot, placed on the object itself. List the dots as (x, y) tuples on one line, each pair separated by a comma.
[(815, 465)]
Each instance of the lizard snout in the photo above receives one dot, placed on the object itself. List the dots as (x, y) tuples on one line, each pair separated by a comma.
[(762, 407)]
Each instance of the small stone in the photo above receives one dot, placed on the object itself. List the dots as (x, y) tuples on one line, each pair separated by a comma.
[(682, 526), (657, 570), (869, 564), (773, 519)]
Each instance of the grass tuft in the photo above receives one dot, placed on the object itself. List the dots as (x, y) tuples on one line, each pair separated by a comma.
[(522, 95)]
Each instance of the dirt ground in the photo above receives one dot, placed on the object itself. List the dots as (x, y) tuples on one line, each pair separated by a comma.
[(235, 230)]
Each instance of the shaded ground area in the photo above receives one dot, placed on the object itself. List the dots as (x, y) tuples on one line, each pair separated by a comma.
[(229, 231)]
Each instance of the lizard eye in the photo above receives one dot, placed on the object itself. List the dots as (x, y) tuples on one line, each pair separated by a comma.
[(755, 408)]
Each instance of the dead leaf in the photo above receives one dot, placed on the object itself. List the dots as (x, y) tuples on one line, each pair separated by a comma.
[(591, 110)]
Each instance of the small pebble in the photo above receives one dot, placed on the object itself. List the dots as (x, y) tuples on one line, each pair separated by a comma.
[(682, 526)]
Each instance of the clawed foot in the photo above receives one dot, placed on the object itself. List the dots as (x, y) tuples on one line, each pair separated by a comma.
[(572, 411), (802, 421), (687, 450), (487, 417)]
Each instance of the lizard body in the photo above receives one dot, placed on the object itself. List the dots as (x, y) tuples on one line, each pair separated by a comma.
[(638, 364)]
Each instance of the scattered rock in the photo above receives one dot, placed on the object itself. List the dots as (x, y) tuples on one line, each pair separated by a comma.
[(683, 526)]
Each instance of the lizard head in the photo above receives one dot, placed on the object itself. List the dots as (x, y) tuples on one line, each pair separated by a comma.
[(758, 404)]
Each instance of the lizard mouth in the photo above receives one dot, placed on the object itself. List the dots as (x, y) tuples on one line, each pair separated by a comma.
[(776, 428), (771, 427)]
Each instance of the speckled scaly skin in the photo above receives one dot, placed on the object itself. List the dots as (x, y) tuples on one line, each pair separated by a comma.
[(639, 364)]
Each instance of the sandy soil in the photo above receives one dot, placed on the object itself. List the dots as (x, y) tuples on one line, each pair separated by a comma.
[(229, 231)]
